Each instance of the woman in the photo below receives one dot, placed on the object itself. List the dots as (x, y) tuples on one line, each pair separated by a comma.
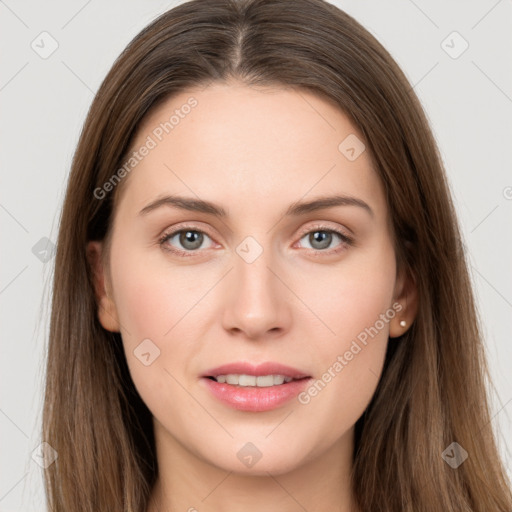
[(261, 299)]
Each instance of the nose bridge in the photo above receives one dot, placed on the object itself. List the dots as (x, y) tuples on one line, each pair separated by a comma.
[(251, 266), (257, 303)]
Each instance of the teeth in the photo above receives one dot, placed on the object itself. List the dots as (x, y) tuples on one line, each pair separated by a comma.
[(261, 381)]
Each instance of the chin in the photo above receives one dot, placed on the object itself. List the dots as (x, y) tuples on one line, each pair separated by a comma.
[(248, 460)]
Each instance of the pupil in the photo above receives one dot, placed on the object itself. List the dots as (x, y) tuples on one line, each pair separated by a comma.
[(191, 239), (322, 237)]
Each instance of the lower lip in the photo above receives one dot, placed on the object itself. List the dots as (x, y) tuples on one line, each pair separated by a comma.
[(255, 399)]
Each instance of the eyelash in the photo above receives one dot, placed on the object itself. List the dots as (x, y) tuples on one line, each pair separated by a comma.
[(346, 241)]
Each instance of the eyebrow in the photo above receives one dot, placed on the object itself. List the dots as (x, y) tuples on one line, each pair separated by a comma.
[(294, 210)]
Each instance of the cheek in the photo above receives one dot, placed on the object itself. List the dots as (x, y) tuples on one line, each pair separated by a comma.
[(349, 297), (151, 298), (155, 306), (153, 303), (355, 308)]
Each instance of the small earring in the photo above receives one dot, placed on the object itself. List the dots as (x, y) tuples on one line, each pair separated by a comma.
[(403, 323)]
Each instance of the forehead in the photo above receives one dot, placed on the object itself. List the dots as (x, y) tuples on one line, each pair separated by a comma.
[(256, 145)]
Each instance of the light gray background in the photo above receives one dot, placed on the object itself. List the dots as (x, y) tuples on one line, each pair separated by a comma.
[(44, 102)]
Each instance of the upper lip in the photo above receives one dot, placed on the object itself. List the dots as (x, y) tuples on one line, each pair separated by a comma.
[(243, 368)]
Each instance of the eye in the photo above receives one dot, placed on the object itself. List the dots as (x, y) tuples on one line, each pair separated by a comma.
[(189, 239), (321, 238)]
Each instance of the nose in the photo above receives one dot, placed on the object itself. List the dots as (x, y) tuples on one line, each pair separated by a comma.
[(258, 302)]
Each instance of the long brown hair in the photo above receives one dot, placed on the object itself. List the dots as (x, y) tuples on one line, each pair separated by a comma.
[(433, 390)]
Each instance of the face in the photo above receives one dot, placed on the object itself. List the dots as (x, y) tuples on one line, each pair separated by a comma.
[(252, 278)]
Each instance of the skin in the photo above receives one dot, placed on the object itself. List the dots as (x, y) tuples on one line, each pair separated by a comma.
[(254, 152)]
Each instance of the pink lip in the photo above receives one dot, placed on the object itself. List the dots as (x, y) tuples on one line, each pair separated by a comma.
[(261, 369), (253, 398)]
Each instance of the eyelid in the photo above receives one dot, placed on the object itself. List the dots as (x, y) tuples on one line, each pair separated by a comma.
[(346, 239), (324, 226), (171, 232)]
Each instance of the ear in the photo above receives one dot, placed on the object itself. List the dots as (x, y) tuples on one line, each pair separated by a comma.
[(406, 294), (107, 313)]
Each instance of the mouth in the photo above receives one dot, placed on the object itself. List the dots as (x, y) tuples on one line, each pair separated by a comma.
[(260, 381), (255, 388)]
